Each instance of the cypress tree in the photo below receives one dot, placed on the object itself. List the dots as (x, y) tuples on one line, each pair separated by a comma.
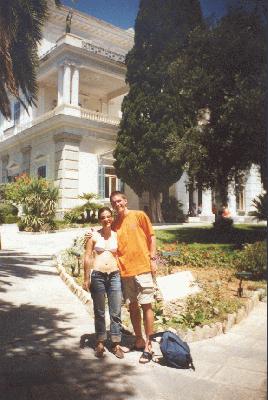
[(151, 117)]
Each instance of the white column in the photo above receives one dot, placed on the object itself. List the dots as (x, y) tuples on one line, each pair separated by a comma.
[(253, 187), (60, 85), (67, 84), (232, 200), (206, 202), (104, 106), (75, 87), (195, 197)]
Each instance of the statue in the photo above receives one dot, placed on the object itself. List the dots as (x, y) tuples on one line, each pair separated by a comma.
[(68, 22)]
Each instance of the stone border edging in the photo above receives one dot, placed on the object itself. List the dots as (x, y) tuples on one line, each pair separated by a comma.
[(217, 328), (83, 296), (192, 335)]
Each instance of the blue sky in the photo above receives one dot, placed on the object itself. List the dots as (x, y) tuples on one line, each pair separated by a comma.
[(122, 13)]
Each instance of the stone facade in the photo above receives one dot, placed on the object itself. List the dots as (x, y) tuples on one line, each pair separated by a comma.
[(70, 134)]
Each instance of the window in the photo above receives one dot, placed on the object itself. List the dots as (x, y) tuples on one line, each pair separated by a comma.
[(16, 112), (108, 181), (42, 171)]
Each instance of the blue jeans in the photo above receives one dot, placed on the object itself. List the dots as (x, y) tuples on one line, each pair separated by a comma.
[(107, 284)]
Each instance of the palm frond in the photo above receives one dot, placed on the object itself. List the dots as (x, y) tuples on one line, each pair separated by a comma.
[(21, 23)]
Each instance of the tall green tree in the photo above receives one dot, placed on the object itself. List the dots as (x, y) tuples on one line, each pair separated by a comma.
[(149, 121), (223, 70), (21, 23)]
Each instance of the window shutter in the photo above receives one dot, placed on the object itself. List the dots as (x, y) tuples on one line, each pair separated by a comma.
[(101, 181), (120, 185)]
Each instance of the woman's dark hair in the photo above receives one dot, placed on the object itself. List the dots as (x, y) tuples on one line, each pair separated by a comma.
[(102, 209)]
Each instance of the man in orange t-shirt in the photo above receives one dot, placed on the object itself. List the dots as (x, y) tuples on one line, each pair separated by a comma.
[(137, 263)]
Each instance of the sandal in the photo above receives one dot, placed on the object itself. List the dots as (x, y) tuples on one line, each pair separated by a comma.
[(131, 348), (146, 357), (99, 350), (117, 351)]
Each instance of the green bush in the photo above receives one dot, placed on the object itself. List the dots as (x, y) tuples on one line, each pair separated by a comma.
[(8, 209), (261, 207), (202, 258), (38, 199), (207, 306), (84, 213), (254, 259), (8, 213), (10, 219), (74, 216)]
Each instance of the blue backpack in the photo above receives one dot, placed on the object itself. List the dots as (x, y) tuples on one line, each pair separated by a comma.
[(176, 352)]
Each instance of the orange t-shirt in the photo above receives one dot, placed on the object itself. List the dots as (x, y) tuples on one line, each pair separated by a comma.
[(134, 233)]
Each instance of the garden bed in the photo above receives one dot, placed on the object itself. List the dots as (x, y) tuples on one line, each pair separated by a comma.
[(213, 265)]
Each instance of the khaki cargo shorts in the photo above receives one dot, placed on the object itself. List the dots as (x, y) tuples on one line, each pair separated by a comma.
[(138, 288)]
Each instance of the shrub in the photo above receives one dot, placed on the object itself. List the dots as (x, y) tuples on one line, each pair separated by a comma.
[(74, 216), (38, 199), (172, 210), (85, 213), (254, 259), (208, 306), (8, 209), (10, 219), (261, 207), (200, 258), (8, 213)]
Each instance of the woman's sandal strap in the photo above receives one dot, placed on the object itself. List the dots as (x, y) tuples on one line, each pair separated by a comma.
[(145, 357)]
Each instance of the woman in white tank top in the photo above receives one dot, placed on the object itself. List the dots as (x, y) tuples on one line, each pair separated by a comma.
[(104, 280)]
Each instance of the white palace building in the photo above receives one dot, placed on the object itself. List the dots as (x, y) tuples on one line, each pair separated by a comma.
[(70, 135)]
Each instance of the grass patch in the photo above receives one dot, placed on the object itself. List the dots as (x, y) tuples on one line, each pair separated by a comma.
[(207, 237)]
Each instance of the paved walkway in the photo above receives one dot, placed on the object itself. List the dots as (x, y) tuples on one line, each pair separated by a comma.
[(42, 325)]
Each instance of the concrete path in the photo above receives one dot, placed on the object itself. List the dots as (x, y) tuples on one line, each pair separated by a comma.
[(46, 334)]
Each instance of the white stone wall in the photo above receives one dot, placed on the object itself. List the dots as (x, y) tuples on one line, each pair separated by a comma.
[(88, 172), (253, 187), (43, 153)]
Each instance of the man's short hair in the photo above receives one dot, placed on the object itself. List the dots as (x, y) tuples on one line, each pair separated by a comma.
[(117, 193)]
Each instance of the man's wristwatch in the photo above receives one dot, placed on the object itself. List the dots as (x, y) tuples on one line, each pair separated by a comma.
[(153, 258)]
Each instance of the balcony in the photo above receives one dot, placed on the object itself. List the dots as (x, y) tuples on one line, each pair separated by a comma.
[(63, 109), (78, 42)]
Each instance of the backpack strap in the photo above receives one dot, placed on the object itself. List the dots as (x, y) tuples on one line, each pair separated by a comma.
[(156, 335)]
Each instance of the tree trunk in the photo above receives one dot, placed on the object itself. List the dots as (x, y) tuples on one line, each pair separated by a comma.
[(155, 207), (221, 195)]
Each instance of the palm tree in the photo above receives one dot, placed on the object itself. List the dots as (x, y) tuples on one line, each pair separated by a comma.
[(21, 23)]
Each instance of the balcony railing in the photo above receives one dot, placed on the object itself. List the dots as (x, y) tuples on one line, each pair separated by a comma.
[(76, 41), (96, 116), (64, 109)]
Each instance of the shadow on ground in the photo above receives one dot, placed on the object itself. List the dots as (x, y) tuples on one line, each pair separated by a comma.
[(17, 264), (41, 360)]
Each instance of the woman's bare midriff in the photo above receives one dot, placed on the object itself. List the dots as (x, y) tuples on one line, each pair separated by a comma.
[(105, 262)]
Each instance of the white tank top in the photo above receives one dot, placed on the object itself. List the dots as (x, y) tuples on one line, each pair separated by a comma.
[(105, 245)]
